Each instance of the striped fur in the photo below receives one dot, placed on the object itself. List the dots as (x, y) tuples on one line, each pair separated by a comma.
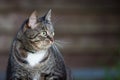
[(35, 39)]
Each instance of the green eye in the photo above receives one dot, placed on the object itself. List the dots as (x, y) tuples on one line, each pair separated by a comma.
[(43, 33), (53, 33)]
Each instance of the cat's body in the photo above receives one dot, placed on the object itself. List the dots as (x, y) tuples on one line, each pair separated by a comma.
[(33, 55)]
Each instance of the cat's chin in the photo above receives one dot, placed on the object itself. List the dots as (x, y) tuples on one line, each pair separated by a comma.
[(46, 44), (44, 47)]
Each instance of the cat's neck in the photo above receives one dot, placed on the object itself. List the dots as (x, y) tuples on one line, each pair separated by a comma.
[(35, 58)]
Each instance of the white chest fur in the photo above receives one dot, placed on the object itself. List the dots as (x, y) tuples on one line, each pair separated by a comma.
[(35, 58), (36, 77)]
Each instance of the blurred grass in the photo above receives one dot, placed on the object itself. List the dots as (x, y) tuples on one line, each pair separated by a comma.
[(116, 68)]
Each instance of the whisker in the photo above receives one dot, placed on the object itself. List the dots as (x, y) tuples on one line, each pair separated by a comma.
[(61, 44)]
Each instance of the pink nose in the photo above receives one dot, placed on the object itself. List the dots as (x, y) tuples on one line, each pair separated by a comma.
[(50, 38)]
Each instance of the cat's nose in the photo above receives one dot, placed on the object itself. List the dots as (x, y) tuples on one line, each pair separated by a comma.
[(50, 38)]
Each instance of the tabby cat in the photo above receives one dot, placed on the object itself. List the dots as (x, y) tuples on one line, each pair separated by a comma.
[(34, 55)]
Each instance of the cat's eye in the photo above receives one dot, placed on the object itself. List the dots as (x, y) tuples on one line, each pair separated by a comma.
[(43, 33), (53, 33)]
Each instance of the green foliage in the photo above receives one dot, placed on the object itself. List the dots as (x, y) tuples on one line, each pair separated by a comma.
[(116, 67)]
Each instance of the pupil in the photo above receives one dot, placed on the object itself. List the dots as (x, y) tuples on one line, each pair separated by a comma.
[(44, 33)]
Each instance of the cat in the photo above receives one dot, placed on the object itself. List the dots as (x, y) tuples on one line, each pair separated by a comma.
[(34, 56)]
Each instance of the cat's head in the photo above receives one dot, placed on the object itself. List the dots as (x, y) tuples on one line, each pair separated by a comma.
[(38, 33)]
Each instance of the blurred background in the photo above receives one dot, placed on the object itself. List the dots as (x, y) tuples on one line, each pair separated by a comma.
[(91, 29)]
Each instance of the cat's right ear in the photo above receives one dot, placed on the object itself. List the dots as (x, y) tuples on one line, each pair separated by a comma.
[(48, 15), (32, 20)]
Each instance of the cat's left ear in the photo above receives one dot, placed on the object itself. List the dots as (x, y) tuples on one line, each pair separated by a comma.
[(48, 15), (33, 20)]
